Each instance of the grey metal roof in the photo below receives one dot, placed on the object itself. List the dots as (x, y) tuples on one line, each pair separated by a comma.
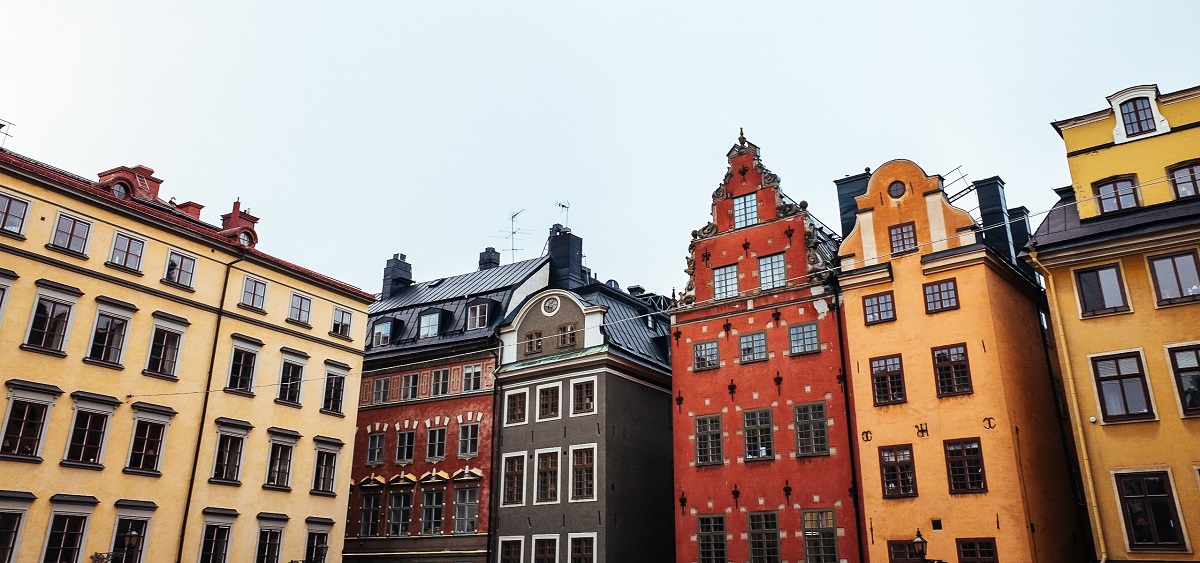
[(1062, 226), (630, 324), (456, 287)]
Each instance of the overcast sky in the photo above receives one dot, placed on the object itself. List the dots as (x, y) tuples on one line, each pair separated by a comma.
[(355, 130)]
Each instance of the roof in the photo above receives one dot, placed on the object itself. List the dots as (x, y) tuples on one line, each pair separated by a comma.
[(1063, 228), (177, 219), (455, 287), (630, 324)]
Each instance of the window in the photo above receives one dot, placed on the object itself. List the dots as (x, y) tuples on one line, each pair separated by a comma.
[(757, 433), (584, 396), (180, 269), (514, 478), (335, 390), (812, 430), (547, 476), (368, 519), (65, 540), (241, 374), (1185, 180), (429, 325), (902, 551), (439, 383), (1116, 195), (977, 550), (583, 472), (26, 423), (705, 355), (708, 440), (406, 443), (753, 347), (941, 296), (898, 471), (146, 449), (317, 546), (381, 333), (964, 466), (1185, 362), (533, 342), (12, 214), (431, 512), (215, 545), (951, 369), (1137, 116), (903, 237), (324, 471), (566, 335), (583, 548), (711, 538), (87, 437), (745, 211), (510, 550), (477, 316), (545, 550), (472, 377), (341, 322), (127, 252), (548, 402), (289, 382), (125, 527), (108, 338), (268, 546), (466, 510), (468, 439), (514, 412), (1124, 394), (279, 465), (379, 390), (164, 351), (802, 339), (1175, 278), (254, 293), (71, 234), (49, 328), (887, 380), (436, 447), (375, 448), (1148, 505), (1100, 290), (771, 272), (879, 308), (764, 537), (300, 309), (725, 282), (408, 386), (399, 512), (227, 466), (820, 537)]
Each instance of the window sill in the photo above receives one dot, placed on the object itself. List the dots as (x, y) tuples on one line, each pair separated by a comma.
[(21, 458), (468, 456), (315, 492), (340, 336), (332, 413), (759, 458), (404, 462), (1179, 301), (904, 251), (710, 464), (1158, 549), (744, 361), (252, 308), (290, 320), (956, 394), (142, 472), (12, 235), (1104, 312), (969, 491), (82, 465), (241, 392), (890, 403), (280, 488), (900, 497), (880, 321), (176, 285), (291, 404), (710, 368), (157, 375), (67, 251), (123, 268), (804, 353), (46, 351), (1151, 417), (435, 459), (942, 310), (103, 364), (226, 482), (817, 454)]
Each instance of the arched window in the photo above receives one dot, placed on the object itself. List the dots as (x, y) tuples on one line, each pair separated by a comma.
[(1137, 116)]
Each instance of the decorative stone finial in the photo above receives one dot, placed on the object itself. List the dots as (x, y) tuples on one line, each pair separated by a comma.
[(741, 136)]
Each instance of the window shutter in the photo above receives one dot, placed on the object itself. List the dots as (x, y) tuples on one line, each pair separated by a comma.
[(456, 379), (488, 380), (394, 389), (423, 385), (364, 395)]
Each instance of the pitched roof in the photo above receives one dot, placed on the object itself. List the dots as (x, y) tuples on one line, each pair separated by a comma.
[(456, 287), (1062, 226), (630, 324)]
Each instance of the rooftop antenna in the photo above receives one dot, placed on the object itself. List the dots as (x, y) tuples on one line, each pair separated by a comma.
[(565, 206), (4, 135), (512, 233)]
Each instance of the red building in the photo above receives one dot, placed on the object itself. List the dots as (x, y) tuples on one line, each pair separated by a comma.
[(762, 446)]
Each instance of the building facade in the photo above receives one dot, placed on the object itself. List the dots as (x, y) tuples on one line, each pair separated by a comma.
[(584, 457), (763, 452), (954, 396), (172, 392), (1119, 254), (424, 449)]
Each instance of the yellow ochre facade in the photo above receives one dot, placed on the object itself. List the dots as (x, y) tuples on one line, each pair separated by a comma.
[(958, 431), (130, 424), (1119, 256)]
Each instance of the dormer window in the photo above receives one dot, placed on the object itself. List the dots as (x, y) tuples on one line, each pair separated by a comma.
[(429, 324), (477, 316), (745, 211), (381, 334), (1116, 195), (120, 190), (245, 238), (1137, 116)]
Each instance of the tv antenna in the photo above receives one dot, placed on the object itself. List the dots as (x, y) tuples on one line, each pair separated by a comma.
[(5, 135), (513, 231), (565, 206)]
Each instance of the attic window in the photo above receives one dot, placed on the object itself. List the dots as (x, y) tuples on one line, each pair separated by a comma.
[(477, 316), (1137, 116), (245, 238), (382, 333), (120, 190), (429, 324)]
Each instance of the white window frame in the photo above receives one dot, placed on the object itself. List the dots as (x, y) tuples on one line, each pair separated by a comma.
[(533, 545), (220, 521), (381, 332), (477, 368), (428, 442), (246, 346), (722, 292), (302, 297), (1098, 393), (454, 517), (269, 525), (520, 541), (367, 454), (6, 284), (595, 395), (24, 222), (112, 249), (521, 391), (167, 266), (580, 535), (20, 507), (331, 372), (30, 396), (278, 437), (595, 474), (800, 327), (524, 477), (311, 528), (429, 330), (68, 509), (558, 492), (266, 289), (764, 282), (329, 446), (169, 326), (467, 455), (87, 242), (381, 386), (538, 394), (1116, 492), (435, 389), (415, 387), (237, 432), (349, 323), (1151, 94), (749, 205), (127, 513), (112, 311), (141, 413), (84, 404), (291, 358), (477, 316), (67, 299)]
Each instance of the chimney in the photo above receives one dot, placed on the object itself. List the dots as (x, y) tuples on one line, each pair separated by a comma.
[(994, 214), (489, 259), (1019, 228), (140, 180), (636, 290), (847, 189), (190, 208), (566, 259), (397, 275), (238, 218)]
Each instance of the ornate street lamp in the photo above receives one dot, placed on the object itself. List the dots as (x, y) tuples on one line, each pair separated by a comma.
[(318, 555), (128, 542), (920, 545)]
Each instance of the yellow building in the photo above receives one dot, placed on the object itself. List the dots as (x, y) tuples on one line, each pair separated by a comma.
[(958, 432), (1119, 255), (171, 392)]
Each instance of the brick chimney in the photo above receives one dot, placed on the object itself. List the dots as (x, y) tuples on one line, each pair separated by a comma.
[(237, 219), (140, 180), (190, 208), (566, 259), (489, 259), (397, 275)]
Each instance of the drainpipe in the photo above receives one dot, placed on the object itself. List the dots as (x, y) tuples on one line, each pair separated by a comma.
[(494, 500), (843, 351), (187, 503), (1077, 421)]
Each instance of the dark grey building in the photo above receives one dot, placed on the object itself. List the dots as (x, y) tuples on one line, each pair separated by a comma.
[(583, 468)]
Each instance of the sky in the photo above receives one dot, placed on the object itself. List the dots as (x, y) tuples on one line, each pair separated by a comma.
[(356, 130)]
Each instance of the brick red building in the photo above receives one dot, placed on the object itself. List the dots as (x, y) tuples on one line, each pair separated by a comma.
[(762, 446)]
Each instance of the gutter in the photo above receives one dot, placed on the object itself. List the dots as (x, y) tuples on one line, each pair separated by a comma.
[(187, 503), (495, 491), (843, 351)]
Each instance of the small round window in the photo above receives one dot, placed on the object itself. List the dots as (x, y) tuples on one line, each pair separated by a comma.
[(246, 238), (119, 191), (896, 189), (550, 306)]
